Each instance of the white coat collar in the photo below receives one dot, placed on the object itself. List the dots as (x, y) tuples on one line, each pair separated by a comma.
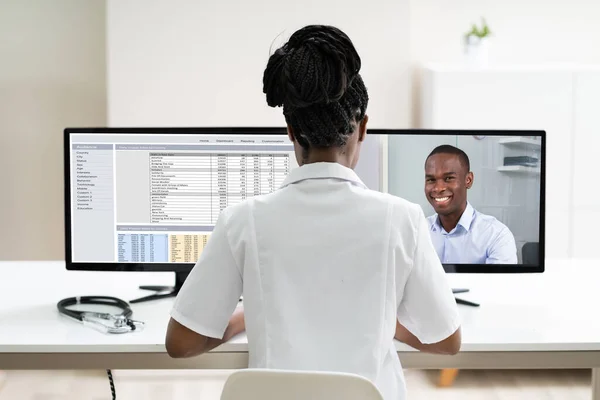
[(322, 170)]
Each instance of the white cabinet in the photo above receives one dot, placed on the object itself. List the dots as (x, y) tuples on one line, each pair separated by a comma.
[(563, 101), (585, 181)]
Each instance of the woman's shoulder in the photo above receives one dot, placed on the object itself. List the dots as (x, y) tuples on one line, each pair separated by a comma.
[(402, 211), (398, 203)]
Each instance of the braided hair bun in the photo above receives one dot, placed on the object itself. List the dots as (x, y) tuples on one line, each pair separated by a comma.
[(315, 78)]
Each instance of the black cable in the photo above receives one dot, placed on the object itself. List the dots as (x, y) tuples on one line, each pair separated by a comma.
[(112, 384)]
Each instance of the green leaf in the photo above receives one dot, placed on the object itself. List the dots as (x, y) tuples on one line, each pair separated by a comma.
[(480, 33)]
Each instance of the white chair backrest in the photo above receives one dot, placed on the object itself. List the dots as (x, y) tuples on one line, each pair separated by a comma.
[(268, 384)]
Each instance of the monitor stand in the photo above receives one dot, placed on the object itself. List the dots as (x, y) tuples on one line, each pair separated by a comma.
[(464, 302), (163, 291)]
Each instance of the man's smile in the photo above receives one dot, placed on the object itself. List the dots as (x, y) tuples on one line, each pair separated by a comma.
[(442, 200)]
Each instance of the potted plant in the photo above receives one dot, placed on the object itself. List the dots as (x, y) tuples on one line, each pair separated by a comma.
[(476, 43)]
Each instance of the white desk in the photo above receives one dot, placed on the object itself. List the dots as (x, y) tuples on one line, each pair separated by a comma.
[(549, 320)]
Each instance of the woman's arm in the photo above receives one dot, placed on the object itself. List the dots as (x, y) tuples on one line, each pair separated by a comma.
[(182, 342), (450, 345)]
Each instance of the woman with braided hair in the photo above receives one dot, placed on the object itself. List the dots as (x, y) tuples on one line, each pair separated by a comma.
[(315, 77), (330, 271)]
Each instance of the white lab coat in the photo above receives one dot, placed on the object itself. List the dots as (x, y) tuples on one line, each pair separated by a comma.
[(325, 266)]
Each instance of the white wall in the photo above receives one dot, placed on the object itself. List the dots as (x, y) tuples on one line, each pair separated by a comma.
[(206, 52), (524, 32), (200, 63), (52, 75), (586, 142)]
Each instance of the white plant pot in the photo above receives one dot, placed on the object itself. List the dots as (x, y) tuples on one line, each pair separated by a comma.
[(477, 51)]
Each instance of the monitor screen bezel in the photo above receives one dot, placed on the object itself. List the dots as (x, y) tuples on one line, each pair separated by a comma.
[(186, 267)]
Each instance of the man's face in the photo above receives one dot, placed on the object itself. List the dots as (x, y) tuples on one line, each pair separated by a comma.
[(446, 183)]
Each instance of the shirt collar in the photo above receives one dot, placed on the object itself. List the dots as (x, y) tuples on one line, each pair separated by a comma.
[(322, 170), (466, 219)]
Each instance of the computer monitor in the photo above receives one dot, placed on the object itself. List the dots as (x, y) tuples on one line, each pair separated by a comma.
[(147, 199)]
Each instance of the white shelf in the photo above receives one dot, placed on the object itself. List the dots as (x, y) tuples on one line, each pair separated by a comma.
[(520, 169), (520, 142)]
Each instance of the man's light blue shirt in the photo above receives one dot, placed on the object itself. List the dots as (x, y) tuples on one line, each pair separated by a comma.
[(476, 239)]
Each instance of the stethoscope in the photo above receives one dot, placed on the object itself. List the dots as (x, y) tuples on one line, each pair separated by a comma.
[(103, 322)]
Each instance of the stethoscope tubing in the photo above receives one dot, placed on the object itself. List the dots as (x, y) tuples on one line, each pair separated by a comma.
[(121, 322)]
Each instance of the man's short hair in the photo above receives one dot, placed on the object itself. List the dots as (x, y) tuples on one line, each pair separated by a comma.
[(448, 149)]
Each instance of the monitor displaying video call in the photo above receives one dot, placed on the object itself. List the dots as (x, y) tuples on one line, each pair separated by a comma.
[(481, 193), (152, 197)]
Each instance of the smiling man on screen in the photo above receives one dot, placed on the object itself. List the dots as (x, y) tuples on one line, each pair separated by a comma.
[(461, 234)]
